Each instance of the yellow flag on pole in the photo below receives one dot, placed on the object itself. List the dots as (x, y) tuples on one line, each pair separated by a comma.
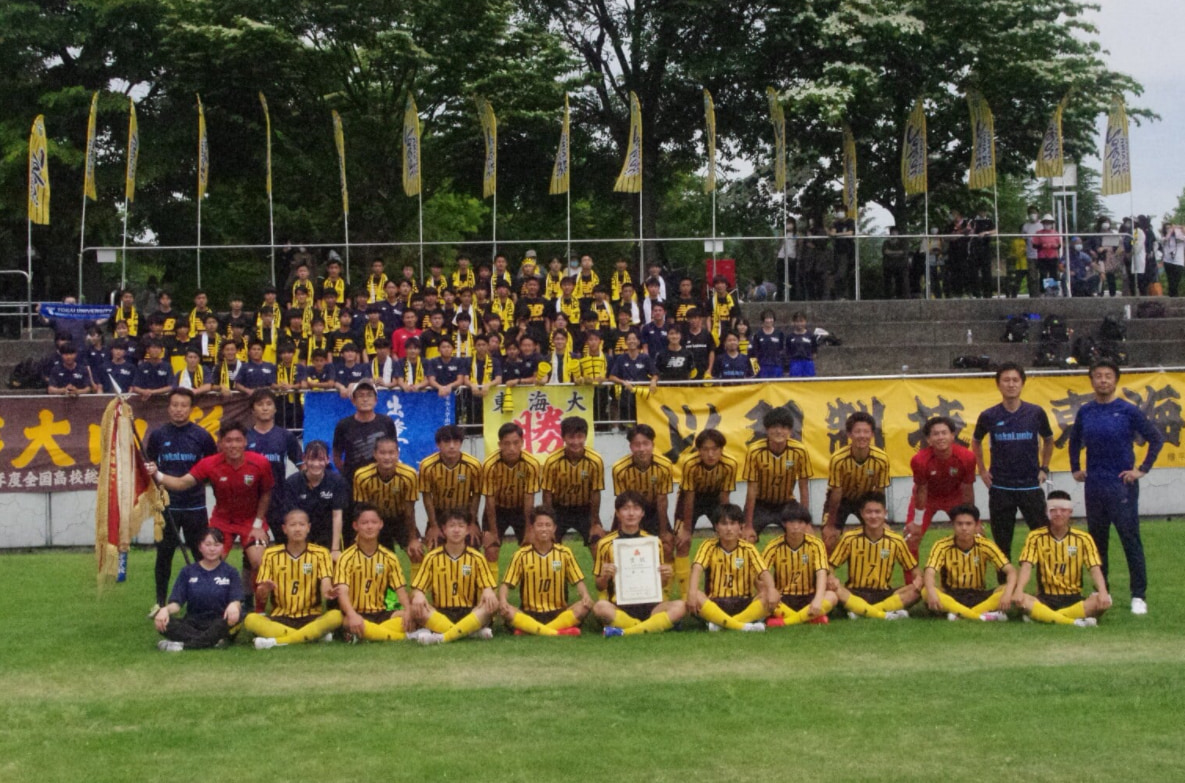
[(133, 153), (489, 132), (203, 152), (710, 141), (38, 173), (339, 138), (411, 148), (914, 154), (267, 121), (561, 169), (778, 118), (1117, 162), (1050, 162), (983, 144), (850, 201), (88, 185), (630, 178)]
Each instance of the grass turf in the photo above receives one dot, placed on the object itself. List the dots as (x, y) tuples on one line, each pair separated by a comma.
[(86, 694)]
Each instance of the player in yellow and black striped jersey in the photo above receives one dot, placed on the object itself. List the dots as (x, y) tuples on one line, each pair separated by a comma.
[(392, 488), (296, 576), (542, 573), (462, 587), (652, 476), (739, 590), (707, 480), (509, 479), (1060, 554), (630, 619), (871, 552), (854, 471), (798, 562), (363, 575), (450, 478), (774, 467), (956, 572), (572, 481)]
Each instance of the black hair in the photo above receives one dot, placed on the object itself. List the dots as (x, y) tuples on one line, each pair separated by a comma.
[(964, 508), (573, 425), (856, 418)]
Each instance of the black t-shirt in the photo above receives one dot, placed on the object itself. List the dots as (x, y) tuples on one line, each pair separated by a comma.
[(699, 346), (318, 502), (355, 440), (674, 365), (1015, 443), (845, 246)]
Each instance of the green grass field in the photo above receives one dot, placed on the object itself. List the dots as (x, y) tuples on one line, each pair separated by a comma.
[(86, 696)]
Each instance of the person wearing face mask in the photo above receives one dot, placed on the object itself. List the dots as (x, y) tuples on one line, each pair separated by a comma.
[(957, 258), (1144, 268), (935, 262), (1084, 276), (1173, 238), (1028, 228), (1106, 251), (843, 257)]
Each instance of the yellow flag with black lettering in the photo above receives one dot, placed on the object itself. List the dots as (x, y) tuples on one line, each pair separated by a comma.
[(339, 138), (630, 178), (710, 141), (850, 201), (914, 153), (88, 184), (38, 173), (560, 170), (778, 117), (133, 153), (267, 122), (411, 148), (1117, 161), (1050, 160), (983, 144), (489, 132), (203, 152)]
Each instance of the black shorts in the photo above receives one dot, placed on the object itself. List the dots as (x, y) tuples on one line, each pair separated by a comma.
[(572, 518), (705, 506), (969, 597), (377, 618), (734, 605), (294, 622), (506, 518), (766, 515), (872, 596), (191, 524), (454, 613), (847, 507), (798, 602), (543, 618), (1058, 602), (639, 612), (395, 531)]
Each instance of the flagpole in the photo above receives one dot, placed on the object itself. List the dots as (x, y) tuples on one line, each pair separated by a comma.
[(199, 243), (856, 242), (495, 251), (641, 244), (271, 222), (81, 243), (29, 271), (996, 211), (785, 293), (713, 232), (123, 274), (568, 244), (346, 221), (420, 198), (926, 240)]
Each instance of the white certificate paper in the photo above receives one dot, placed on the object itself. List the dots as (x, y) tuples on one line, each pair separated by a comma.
[(637, 580)]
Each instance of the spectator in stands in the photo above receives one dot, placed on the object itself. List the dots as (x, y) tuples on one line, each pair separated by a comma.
[(69, 376), (126, 313), (1084, 275), (1049, 252), (118, 373), (895, 265), (154, 377), (1144, 267), (801, 347), (1028, 228), (768, 347), (787, 271), (1173, 241), (843, 254), (980, 258), (934, 248)]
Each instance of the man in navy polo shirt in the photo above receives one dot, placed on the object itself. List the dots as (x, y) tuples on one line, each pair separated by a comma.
[(154, 376), (118, 372), (350, 370), (278, 446), (255, 372), (69, 377)]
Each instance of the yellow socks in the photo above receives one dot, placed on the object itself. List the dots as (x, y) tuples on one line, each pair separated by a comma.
[(527, 624), (623, 620), (468, 624), (682, 573), (714, 614), (891, 604), (952, 606), (387, 631), (310, 632), (438, 623), (753, 613), (990, 604), (861, 607), (1076, 611), (564, 619), (803, 615), (656, 623), (262, 625), (1043, 614)]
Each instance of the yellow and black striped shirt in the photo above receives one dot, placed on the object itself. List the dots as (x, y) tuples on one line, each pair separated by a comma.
[(655, 481), (619, 278), (509, 485), (584, 288), (454, 582), (572, 482), (855, 478), (337, 286), (870, 563), (297, 579), (543, 579), (450, 487), (504, 311), (795, 570), (776, 475), (551, 286), (594, 366), (604, 556), (390, 496), (464, 279), (368, 576), (708, 481), (1060, 562), (730, 574), (964, 570)]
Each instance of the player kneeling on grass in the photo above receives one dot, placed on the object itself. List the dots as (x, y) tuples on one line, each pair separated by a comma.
[(633, 618), (462, 587), (363, 575), (872, 552), (961, 560), (209, 590), (739, 590), (296, 576), (542, 572), (798, 562), (1059, 553)]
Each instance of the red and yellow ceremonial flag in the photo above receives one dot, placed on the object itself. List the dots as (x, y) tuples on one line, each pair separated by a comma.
[(203, 152), (489, 133), (914, 155), (850, 200), (778, 118), (267, 121), (411, 148), (339, 138), (630, 178), (39, 173), (1050, 162), (88, 184), (560, 171), (710, 141), (133, 153), (1117, 161), (983, 143)]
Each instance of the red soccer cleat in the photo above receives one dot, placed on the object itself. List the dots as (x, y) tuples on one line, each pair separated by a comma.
[(775, 622), (518, 632), (570, 631), (820, 620)]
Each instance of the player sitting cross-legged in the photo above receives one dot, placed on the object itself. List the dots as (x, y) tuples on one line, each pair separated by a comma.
[(542, 572), (739, 589), (296, 575), (961, 560), (798, 562), (871, 553), (629, 619), (363, 575), (462, 588)]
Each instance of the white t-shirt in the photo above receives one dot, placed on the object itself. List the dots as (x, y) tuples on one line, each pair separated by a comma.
[(1032, 227), (1139, 252), (1174, 247)]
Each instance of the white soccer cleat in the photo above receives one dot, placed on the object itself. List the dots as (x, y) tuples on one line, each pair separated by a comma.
[(482, 633), (897, 614), (430, 638), (713, 628), (264, 643), (954, 618), (327, 638), (1086, 622), (754, 627), (416, 634), (1139, 606), (164, 645), (853, 616), (994, 617)]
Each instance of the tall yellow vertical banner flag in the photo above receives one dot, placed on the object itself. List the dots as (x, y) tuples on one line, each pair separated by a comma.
[(1117, 161), (411, 148), (983, 144), (914, 155), (339, 138), (88, 184), (630, 178), (489, 133), (133, 153), (850, 200), (710, 141), (778, 118), (267, 122), (38, 173), (563, 159), (1050, 162), (203, 152)]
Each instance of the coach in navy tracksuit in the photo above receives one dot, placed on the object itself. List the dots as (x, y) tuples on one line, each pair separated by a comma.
[(1107, 428)]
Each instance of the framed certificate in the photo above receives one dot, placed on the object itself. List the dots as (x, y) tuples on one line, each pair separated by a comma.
[(637, 580)]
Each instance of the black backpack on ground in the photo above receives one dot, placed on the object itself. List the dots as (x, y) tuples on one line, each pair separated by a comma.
[(1151, 310), (1053, 330), (1112, 330), (26, 375), (1016, 330), (972, 363)]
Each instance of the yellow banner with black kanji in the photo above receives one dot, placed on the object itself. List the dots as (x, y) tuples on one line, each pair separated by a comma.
[(539, 410)]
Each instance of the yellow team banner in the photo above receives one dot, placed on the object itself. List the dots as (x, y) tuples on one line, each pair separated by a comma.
[(901, 408), (850, 198), (778, 117), (489, 133), (914, 155), (133, 153), (983, 144), (267, 122), (1050, 160), (710, 141), (539, 410), (38, 173), (560, 171), (630, 178), (339, 138), (203, 152), (411, 148), (88, 184), (1117, 162)]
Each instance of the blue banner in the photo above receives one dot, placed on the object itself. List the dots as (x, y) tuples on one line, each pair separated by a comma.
[(417, 416), (76, 312)]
